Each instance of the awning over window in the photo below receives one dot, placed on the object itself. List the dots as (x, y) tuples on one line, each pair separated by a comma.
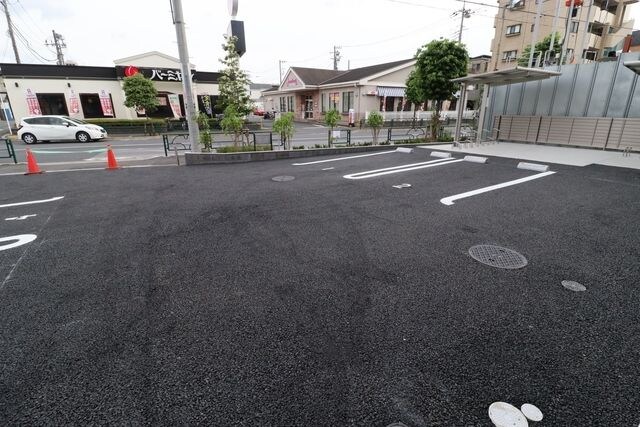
[(390, 91)]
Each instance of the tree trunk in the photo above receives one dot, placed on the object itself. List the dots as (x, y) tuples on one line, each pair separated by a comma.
[(435, 121)]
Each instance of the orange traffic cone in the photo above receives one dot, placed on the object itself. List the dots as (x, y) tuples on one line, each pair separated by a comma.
[(111, 159), (32, 165)]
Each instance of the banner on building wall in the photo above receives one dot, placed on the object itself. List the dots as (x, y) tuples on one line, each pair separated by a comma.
[(33, 104), (74, 103), (105, 103), (174, 102)]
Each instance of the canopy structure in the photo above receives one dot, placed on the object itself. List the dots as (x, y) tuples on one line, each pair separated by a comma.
[(496, 78), (633, 66)]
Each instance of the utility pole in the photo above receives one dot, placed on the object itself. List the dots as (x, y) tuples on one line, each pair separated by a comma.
[(464, 13), (187, 88), (534, 38), (10, 26), (280, 62), (59, 44), (336, 56), (565, 43)]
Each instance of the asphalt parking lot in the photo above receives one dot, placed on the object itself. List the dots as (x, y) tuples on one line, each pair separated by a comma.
[(216, 295)]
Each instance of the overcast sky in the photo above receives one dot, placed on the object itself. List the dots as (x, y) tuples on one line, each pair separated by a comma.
[(301, 32)]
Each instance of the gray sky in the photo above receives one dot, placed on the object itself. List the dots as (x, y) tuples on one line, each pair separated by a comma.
[(301, 32)]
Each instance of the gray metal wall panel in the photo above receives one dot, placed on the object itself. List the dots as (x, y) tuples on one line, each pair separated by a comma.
[(601, 89), (529, 99), (514, 99), (634, 110), (544, 99), (494, 127), (560, 130), (621, 90), (561, 100), (581, 91), (582, 131), (500, 94), (601, 132)]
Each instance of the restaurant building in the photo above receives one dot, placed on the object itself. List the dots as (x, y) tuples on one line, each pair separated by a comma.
[(96, 92)]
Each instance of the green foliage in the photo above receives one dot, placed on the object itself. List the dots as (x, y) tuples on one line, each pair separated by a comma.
[(436, 64), (234, 83), (543, 46), (206, 139), (320, 146), (285, 127), (298, 147), (375, 121), (140, 93), (414, 92), (332, 118), (232, 149), (232, 123), (124, 122)]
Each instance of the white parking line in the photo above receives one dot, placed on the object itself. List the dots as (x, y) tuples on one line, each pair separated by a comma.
[(449, 200), (33, 202), (401, 168), (343, 158)]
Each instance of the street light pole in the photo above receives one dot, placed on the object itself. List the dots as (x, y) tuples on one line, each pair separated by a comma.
[(183, 51)]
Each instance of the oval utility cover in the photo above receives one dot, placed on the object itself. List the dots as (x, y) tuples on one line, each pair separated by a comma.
[(283, 178), (503, 414), (573, 286)]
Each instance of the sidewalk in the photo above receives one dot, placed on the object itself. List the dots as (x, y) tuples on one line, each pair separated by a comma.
[(549, 154)]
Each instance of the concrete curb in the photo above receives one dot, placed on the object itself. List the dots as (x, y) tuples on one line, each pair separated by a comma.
[(255, 156)]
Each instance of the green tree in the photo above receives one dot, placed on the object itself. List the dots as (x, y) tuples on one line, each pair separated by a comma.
[(234, 83), (206, 138), (541, 46), (232, 123), (331, 119), (413, 92), (285, 127), (436, 64), (375, 121), (140, 94)]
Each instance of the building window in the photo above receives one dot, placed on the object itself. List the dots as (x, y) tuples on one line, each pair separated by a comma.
[(347, 101), (574, 26), (509, 55), (290, 103), (322, 104), (533, 27), (334, 98), (91, 106), (515, 4), (283, 105), (514, 30), (52, 104)]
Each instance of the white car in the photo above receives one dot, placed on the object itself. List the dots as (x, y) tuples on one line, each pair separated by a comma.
[(58, 128)]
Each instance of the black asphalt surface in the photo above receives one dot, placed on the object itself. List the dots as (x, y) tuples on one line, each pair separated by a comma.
[(214, 295)]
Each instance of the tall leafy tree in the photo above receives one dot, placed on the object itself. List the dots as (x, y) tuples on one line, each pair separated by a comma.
[(139, 93), (413, 92), (234, 83), (541, 47), (437, 63)]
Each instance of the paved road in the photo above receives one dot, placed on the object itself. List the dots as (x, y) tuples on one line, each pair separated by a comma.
[(215, 295)]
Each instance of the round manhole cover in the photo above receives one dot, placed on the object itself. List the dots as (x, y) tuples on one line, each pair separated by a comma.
[(573, 286), (497, 256), (283, 178)]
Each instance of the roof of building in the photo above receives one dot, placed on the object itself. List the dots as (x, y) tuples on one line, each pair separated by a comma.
[(314, 76), (58, 71), (635, 38), (146, 54), (362, 72), (480, 57), (508, 76)]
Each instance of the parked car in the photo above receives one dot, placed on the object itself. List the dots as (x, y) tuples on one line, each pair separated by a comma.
[(58, 128)]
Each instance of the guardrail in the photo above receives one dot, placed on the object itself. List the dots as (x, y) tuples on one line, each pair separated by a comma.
[(11, 153), (180, 141), (335, 137)]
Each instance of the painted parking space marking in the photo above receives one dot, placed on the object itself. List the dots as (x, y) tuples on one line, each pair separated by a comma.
[(20, 218), (451, 199), (33, 202), (344, 158), (20, 239), (400, 169), (328, 169)]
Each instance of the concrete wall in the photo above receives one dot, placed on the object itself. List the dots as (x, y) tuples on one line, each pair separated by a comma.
[(600, 89)]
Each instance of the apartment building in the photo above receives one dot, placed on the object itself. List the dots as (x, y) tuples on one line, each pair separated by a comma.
[(596, 27)]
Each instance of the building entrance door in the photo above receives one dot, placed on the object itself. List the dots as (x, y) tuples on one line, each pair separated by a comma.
[(308, 107)]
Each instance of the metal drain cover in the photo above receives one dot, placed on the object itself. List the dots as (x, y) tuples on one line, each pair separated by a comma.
[(283, 178), (497, 256), (573, 286)]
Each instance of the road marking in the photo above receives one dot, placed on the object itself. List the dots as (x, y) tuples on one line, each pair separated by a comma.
[(401, 168), (22, 239), (343, 158), (401, 186), (20, 218), (100, 150), (33, 202), (328, 169), (93, 169), (449, 200)]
